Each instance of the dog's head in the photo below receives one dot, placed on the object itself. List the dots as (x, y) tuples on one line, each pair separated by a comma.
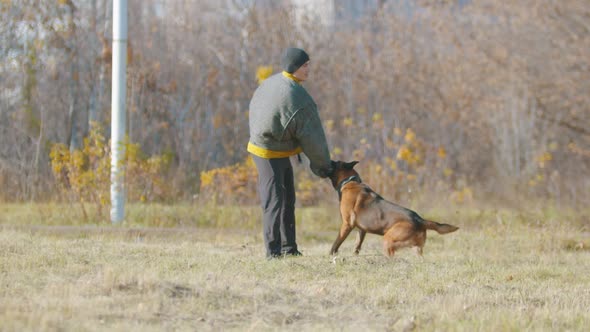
[(341, 171)]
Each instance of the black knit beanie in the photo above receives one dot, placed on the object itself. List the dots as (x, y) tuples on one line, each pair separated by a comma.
[(293, 59)]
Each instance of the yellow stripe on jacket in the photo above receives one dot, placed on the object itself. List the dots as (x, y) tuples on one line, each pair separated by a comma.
[(270, 154), (291, 76)]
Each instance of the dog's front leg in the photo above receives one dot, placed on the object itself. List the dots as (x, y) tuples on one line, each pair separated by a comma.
[(344, 231), (360, 237)]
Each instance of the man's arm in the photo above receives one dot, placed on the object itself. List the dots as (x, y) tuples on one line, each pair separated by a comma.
[(310, 134)]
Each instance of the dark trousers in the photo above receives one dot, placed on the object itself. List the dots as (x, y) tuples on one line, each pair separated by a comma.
[(276, 190)]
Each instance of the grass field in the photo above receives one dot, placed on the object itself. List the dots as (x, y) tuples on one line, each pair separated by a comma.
[(203, 269)]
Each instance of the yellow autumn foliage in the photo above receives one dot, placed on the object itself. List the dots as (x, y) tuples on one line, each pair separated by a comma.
[(262, 73), (235, 183), (83, 175)]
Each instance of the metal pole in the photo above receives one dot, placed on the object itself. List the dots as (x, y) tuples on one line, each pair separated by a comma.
[(118, 113)]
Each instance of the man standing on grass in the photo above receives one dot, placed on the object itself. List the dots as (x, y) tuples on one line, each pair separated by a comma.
[(284, 121)]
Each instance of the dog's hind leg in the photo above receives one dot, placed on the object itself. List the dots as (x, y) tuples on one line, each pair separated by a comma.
[(388, 247), (399, 236), (342, 234), (420, 240), (418, 250), (360, 237)]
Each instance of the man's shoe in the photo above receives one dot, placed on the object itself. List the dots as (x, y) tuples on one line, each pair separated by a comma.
[(274, 256), (293, 252)]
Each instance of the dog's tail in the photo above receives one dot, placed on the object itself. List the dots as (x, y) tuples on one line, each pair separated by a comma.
[(440, 228)]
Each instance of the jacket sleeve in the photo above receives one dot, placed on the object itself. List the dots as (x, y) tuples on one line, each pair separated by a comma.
[(307, 128)]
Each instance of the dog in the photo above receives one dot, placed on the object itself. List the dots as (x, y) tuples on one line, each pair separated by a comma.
[(363, 208)]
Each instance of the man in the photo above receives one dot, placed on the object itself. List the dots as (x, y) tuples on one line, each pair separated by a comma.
[(284, 121)]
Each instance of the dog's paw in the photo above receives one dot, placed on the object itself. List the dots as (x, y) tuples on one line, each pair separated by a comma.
[(405, 324), (337, 259)]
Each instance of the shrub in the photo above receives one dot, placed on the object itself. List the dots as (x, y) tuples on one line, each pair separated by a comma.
[(235, 183), (83, 175)]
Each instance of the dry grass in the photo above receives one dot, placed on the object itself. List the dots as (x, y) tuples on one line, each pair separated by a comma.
[(502, 271)]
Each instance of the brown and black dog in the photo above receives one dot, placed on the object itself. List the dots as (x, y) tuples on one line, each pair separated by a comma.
[(363, 208)]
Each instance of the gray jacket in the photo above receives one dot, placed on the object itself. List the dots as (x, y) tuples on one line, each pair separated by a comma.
[(284, 117)]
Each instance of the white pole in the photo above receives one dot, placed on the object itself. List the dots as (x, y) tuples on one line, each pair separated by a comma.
[(118, 114)]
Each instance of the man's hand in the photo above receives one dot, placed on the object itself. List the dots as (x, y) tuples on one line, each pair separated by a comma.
[(326, 172)]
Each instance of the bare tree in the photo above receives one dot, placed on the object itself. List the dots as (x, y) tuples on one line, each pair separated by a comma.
[(500, 88)]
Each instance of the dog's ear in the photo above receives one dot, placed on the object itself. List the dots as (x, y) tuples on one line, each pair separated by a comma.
[(350, 165)]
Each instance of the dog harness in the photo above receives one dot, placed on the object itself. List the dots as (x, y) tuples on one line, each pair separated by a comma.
[(355, 178)]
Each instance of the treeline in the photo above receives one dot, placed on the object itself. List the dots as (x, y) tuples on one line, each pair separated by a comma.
[(483, 99)]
